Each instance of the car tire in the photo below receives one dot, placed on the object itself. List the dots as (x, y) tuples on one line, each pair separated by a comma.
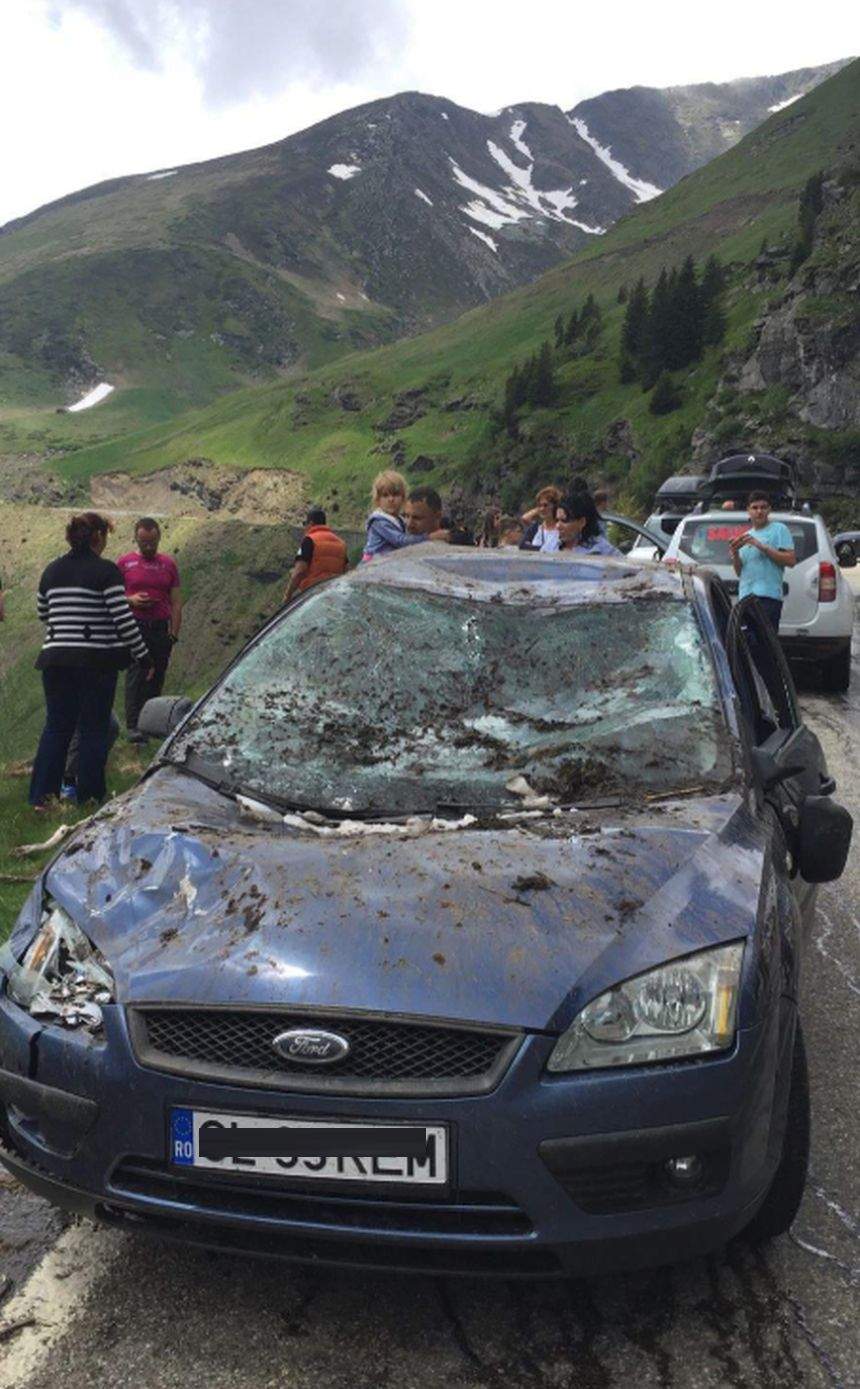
[(837, 672), (846, 554), (777, 1212)]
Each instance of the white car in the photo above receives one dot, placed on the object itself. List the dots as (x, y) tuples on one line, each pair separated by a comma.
[(818, 606), (659, 523)]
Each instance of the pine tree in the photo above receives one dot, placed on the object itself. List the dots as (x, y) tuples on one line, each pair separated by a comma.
[(589, 310), (572, 328), (657, 331), (514, 399), (711, 296), (811, 203), (622, 294), (559, 331), (686, 339), (628, 368), (634, 330), (542, 388), (665, 397)]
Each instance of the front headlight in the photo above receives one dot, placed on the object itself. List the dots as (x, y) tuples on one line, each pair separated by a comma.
[(681, 1009), (61, 976)]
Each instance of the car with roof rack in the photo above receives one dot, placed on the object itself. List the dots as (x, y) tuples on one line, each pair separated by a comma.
[(818, 607), (457, 928)]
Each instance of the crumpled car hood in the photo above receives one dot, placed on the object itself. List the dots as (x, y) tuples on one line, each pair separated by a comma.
[(190, 903)]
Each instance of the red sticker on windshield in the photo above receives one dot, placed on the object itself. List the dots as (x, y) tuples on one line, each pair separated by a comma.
[(725, 532)]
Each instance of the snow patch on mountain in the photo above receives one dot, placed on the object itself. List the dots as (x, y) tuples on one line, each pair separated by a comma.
[(499, 212), (517, 141), (781, 105), (423, 197), (99, 392), (168, 173), (643, 191), (344, 170), (480, 213), (554, 203), (484, 237)]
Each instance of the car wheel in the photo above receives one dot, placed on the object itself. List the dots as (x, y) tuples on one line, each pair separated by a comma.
[(776, 1213), (837, 673), (846, 554)]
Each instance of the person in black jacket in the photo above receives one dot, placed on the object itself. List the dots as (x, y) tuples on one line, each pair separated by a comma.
[(91, 635)]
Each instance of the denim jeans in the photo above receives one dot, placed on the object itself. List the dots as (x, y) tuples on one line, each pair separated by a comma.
[(70, 775), (75, 697)]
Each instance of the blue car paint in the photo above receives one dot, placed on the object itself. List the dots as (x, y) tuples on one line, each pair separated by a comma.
[(190, 904), (192, 912)]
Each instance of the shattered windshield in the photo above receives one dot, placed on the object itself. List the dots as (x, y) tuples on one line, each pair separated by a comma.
[(395, 701)]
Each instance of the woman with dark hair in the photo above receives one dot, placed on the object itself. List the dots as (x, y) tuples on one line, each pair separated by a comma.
[(91, 635), (579, 526)]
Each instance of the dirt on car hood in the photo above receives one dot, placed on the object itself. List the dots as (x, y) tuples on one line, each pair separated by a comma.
[(517, 925)]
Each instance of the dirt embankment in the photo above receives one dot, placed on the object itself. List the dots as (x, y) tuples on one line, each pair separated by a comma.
[(261, 495)]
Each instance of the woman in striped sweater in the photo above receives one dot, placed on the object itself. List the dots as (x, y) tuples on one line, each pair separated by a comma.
[(91, 635)]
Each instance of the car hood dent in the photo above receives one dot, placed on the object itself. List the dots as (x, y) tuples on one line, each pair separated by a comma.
[(188, 903)]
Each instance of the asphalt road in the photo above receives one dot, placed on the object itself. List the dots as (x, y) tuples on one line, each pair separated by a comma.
[(104, 1309)]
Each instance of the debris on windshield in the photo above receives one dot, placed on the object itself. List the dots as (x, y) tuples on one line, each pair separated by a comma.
[(256, 810), (532, 882), (518, 786), (410, 828), (524, 706)]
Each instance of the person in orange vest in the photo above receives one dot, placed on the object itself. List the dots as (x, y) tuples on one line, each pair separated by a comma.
[(321, 555)]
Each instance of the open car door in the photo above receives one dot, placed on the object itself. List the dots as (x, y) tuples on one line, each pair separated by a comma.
[(787, 757)]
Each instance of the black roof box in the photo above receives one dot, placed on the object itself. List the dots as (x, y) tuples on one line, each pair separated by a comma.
[(742, 473), (684, 484), (679, 493)]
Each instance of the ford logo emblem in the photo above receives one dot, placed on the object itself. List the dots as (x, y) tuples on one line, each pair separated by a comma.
[(311, 1046)]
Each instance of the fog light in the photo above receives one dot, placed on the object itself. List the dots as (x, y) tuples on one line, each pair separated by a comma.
[(684, 1172)]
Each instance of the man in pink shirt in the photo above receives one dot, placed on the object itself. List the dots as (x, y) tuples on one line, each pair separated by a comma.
[(152, 589)]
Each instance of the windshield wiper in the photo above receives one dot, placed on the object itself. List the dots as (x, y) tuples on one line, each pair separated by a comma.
[(213, 774)]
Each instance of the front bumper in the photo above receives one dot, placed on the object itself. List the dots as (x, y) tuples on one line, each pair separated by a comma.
[(546, 1183)]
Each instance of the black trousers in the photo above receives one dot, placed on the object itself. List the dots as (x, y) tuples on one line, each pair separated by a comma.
[(76, 697), (137, 688)]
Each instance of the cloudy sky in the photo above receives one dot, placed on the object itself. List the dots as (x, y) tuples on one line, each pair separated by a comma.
[(91, 89)]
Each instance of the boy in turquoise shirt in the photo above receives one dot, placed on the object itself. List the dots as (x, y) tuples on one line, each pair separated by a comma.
[(760, 555)]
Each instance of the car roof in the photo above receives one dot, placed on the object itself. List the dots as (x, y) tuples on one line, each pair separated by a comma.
[(720, 515), (517, 576)]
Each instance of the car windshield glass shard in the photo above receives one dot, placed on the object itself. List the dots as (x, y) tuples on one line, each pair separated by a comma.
[(395, 701)]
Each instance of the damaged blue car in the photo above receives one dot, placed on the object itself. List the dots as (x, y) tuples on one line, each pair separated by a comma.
[(457, 928)]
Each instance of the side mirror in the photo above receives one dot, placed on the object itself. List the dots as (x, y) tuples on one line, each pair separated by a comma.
[(160, 716), (823, 840), (769, 771)]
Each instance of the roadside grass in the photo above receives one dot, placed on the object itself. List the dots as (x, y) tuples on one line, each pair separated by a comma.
[(21, 825)]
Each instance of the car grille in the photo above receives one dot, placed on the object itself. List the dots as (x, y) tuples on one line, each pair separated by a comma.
[(386, 1056), (473, 1214)]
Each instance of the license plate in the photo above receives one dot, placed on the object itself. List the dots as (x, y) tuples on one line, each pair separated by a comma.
[(310, 1150)]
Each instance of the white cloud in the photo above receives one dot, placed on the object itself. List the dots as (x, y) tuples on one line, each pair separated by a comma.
[(95, 89)]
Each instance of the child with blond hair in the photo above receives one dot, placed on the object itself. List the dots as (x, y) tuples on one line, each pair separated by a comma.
[(386, 528)]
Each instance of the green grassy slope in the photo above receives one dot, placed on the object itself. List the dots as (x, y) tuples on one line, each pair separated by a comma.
[(729, 207), (233, 577)]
